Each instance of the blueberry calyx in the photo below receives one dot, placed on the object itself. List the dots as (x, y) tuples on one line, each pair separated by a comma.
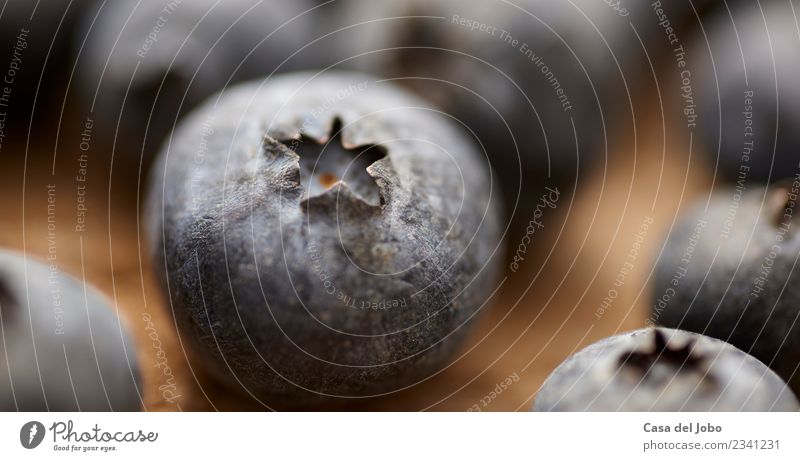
[(662, 353), (332, 172)]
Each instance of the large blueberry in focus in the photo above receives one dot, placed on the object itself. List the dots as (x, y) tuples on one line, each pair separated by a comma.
[(729, 271), (63, 348), (323, 235), (660, 369)]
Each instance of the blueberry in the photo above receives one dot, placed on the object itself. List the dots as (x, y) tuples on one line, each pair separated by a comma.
[(745, 74), (34, 56), (541, 82), (323, 235), (489, 83), (146, 63), (661, 369), (63, 347), (728, 271)]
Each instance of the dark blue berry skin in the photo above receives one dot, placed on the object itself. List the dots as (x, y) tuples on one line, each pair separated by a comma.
[(523, 118), (323, 237), (660, 369), (64, 348), (144, 64), (728, 271), (35, 58), (745, 81), (544, 84)]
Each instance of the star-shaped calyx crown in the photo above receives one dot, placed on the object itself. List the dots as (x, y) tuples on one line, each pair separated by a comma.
[(325, 164), (683, 358)]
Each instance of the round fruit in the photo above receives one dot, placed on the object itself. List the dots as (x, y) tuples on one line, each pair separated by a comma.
[(660, 369), (146, 63), (543, 83), (521, 75), (746, 68), (324, 235), (63, 347), (728, 271), (34, 56)]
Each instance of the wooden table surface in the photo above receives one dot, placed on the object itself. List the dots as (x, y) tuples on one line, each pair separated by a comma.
[(542, 316)]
